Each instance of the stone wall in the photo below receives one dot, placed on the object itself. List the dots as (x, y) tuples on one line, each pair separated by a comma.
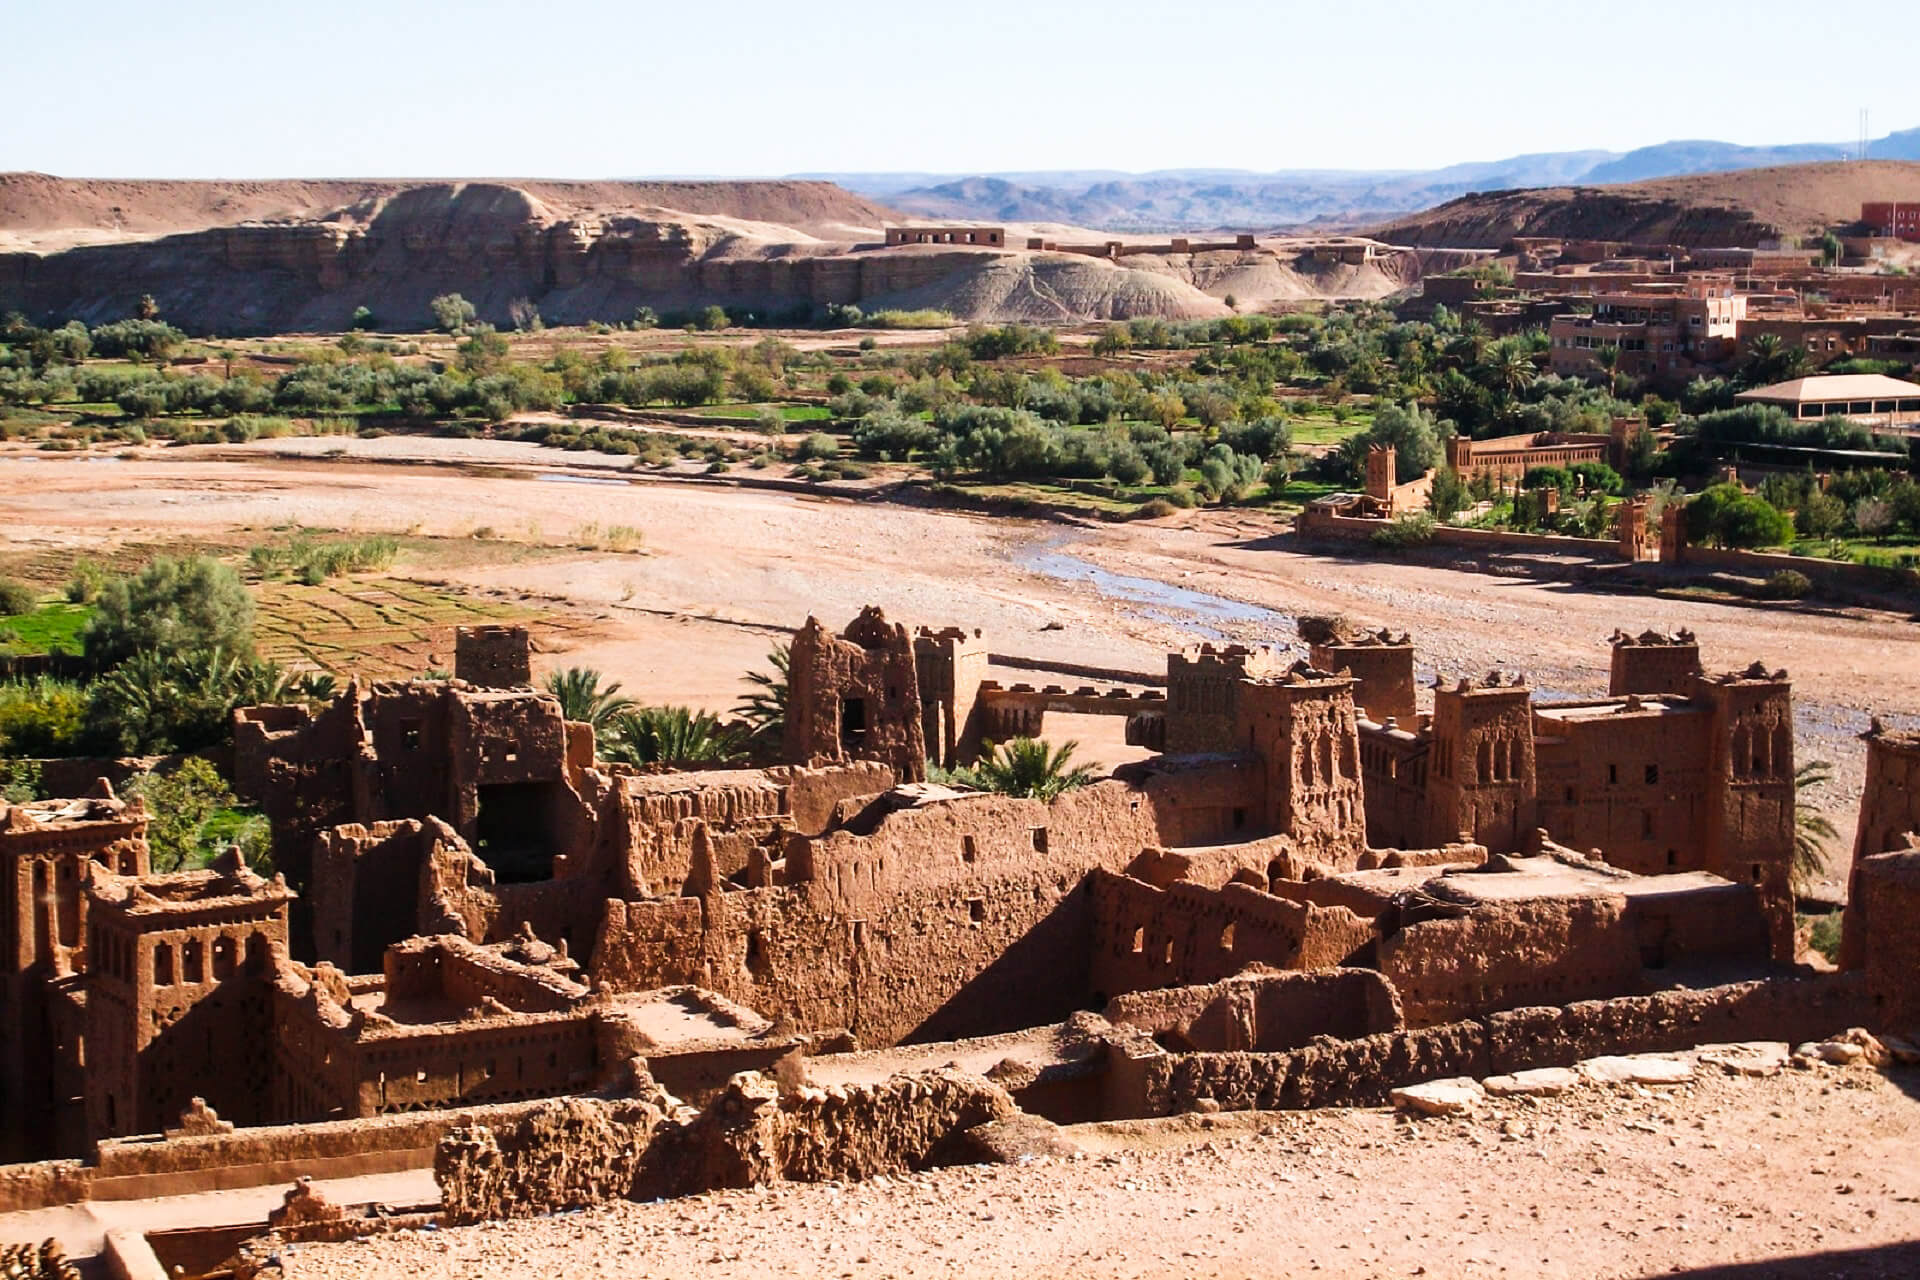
[(580, 1151), (1263, 1011), (1146, 937), (1364, 1072)]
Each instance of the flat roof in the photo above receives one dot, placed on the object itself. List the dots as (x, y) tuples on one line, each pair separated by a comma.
[(1650, 704), (1834, 386)]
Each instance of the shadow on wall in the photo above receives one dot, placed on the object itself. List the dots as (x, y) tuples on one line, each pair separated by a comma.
[(1043, 976), (1892, 1261)]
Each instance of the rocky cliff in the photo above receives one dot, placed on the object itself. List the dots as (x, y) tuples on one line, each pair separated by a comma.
[(286, 260)]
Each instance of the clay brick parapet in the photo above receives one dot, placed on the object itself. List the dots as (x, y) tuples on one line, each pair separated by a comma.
[(1364, 1072)]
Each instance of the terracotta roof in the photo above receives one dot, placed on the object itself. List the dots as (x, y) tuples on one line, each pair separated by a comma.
[(1849, 386)]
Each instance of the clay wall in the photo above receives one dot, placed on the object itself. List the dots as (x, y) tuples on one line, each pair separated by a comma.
[(493, 657), (1393, 773), (952, 666), (456, 970), (1633, 783), (1751, 790), (1203, 695), (581, 1152), (1653, 663), (1304, 730), (1881, 938), (366, 891), (985, 237), (958, 917), (1146, 937), (855, 696), (1889, 809), (1383, 667), (1561, 949), (1364, 1072), (1481, 774), (1262, 1012), (1315, 523), (493, 1059)]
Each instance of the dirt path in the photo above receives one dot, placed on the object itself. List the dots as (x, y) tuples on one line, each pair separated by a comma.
[(1813, 1171)]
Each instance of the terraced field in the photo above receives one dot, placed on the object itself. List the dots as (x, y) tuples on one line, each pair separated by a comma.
[(378, 628)]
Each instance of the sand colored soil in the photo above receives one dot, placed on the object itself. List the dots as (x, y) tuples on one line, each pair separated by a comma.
[(725, 572), (1798, 1175), (41, 211)]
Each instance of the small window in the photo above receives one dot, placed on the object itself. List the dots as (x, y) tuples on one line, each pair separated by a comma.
[(1653, 775), (1039, 835), (1239, 819), (1613, 774), (1226, 937), (859, 934), (410, 734), (1139, 939), (976, 909), (1673, 859), (969, 849), (1756, 873)]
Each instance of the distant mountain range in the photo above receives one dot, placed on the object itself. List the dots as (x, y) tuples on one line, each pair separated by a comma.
[(1173, 199)]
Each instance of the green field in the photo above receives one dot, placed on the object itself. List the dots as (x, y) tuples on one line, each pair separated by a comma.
[(377, 627), (52, 628)]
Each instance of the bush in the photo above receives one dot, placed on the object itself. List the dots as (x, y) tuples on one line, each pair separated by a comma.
[(171, 606), (179, 806), (1727, 516), (1787, 584), (1154, 509), (1415, 530), (17, 597), (818, 445), (452, 312), (42, 717)]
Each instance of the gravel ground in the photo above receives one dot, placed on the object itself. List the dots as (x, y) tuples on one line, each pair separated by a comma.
[(1811, 1171)]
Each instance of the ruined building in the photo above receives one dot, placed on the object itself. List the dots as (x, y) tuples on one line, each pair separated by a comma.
[(491, 915)]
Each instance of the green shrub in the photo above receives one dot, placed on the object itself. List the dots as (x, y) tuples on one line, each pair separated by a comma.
[(17, 597), (172, 606), (20, 781), (1786, 584), (42, 717), (1413, 530), (180, 805), (1154, 509), (818, 445)]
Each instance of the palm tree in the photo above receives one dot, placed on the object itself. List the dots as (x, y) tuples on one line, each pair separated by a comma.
[(668, 736), (764, 709), (1811, 830), (1027, 767), (1511, 370), (1608, 358), (583, 700)]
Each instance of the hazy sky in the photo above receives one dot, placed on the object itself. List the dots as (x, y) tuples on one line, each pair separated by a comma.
[(604, 88)]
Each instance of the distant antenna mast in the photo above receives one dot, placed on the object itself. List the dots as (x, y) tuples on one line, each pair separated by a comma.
[(1863, 134)]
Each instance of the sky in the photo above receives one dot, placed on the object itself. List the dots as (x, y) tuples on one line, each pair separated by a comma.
[(623, 88)]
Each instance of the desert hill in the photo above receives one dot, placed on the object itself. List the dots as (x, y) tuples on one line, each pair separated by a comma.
[(1742, 207), (38, 210), (264, 257)]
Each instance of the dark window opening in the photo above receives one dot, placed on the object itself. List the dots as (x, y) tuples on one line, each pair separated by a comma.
[(1613, 773), (859, 934), (756, 955), (969, 851), (1039, 835), (1756, 873), (510, 833), (1239, 819), (976, 909), (853, 724), (1653, 775), (410, 734)]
